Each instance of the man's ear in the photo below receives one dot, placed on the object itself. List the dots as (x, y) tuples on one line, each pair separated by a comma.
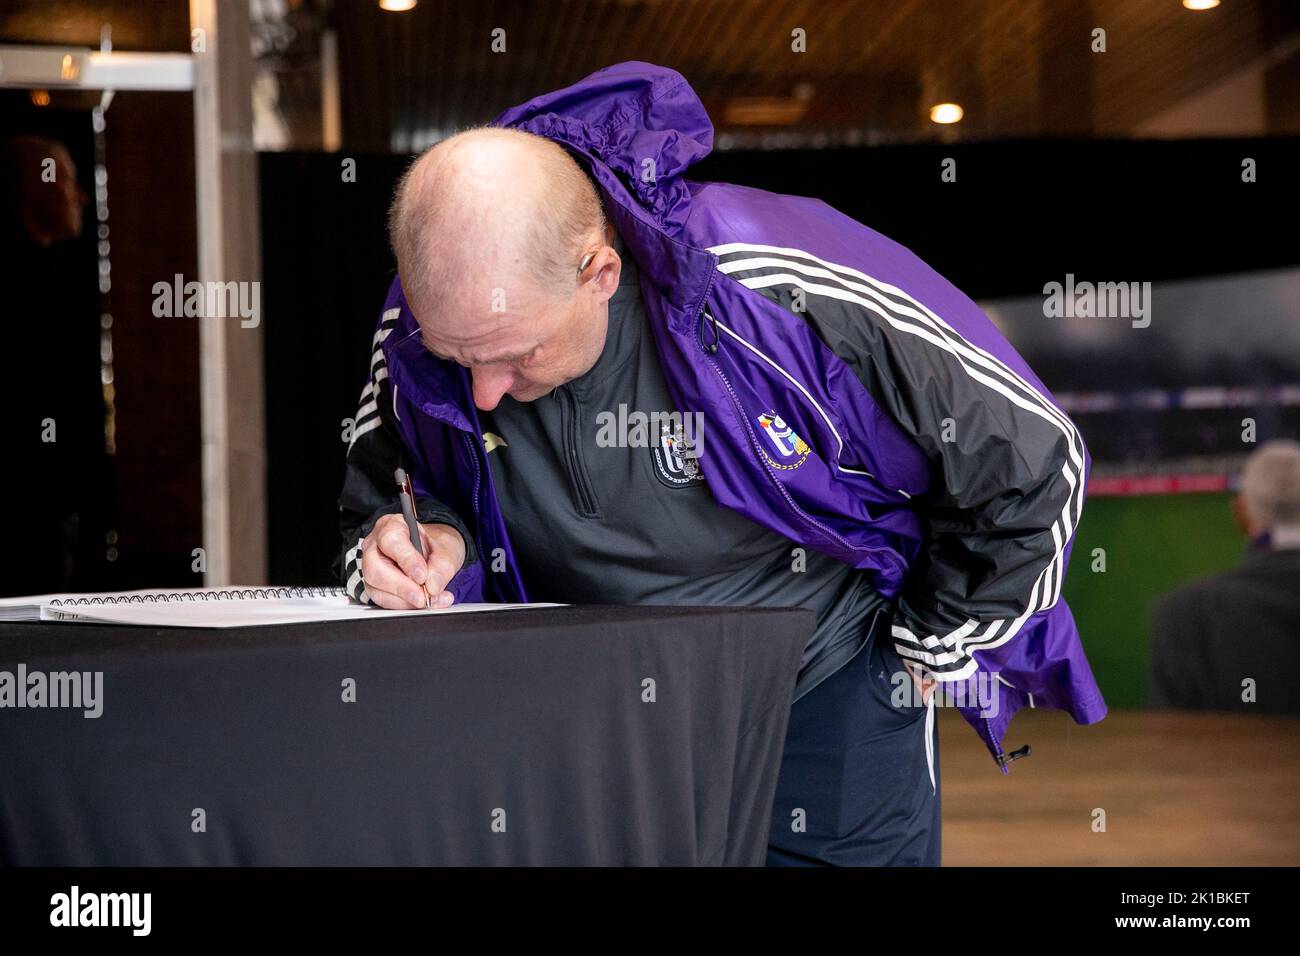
[(607, 267), (1243, 519)]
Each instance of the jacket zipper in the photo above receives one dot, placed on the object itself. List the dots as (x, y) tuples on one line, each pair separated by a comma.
[(1000, 757), (758, 449), (579, 481), (1004, 759)]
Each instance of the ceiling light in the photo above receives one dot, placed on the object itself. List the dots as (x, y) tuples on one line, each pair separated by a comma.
[(1200, 4), (396, 6), (946, 113)]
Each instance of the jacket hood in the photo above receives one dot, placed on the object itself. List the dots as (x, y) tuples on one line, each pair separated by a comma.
[(644, 122)]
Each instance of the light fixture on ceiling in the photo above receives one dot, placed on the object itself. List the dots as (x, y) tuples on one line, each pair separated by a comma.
[(770, 110), (946, 113), (1200, 4), (397, 6)]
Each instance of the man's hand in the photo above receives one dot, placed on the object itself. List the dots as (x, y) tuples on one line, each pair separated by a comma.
[(395, 574), (926, 687)]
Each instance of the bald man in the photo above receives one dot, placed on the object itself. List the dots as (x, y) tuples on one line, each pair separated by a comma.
[(615, 385), (1231, 641)]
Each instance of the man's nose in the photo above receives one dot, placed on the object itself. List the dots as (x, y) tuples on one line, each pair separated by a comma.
[(490, 383)]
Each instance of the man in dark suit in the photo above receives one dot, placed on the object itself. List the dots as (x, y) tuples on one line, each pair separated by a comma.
[(1232, 641)]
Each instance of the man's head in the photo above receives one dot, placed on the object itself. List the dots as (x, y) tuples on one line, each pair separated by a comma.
[(1269, 500), (39, 181), (490, 228)]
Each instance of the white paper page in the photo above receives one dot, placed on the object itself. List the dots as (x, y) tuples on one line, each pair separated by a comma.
[(249, 613)]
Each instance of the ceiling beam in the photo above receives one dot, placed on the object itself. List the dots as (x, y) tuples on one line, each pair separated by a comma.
[(54, 67)]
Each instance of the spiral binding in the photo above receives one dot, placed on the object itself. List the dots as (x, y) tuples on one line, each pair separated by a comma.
[(215, 594)]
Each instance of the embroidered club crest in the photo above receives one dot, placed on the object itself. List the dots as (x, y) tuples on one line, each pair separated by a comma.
[(676, 461), (791, 450)]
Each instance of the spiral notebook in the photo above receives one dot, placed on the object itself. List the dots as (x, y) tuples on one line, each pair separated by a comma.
[(215, 607)]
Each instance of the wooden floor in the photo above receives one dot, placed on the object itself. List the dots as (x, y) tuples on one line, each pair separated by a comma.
[(1178, 790)]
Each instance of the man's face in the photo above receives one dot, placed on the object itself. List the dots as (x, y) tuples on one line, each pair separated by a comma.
[(525, 349)]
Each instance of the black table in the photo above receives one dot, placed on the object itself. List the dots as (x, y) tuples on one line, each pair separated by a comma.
[(577, 735)]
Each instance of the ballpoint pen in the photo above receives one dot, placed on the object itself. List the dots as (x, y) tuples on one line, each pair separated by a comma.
[(412, 525)]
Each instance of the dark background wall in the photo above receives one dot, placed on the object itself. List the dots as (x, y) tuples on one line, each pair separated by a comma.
[(158, 427), (139, 501), (134, 485)]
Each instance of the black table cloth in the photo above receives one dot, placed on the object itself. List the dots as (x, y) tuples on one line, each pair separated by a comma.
[(577, 735)]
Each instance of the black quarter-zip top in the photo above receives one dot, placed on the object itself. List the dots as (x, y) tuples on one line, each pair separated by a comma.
[(630, 521)]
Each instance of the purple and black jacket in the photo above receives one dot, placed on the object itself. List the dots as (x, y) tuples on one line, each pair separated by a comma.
[(921, 448)]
